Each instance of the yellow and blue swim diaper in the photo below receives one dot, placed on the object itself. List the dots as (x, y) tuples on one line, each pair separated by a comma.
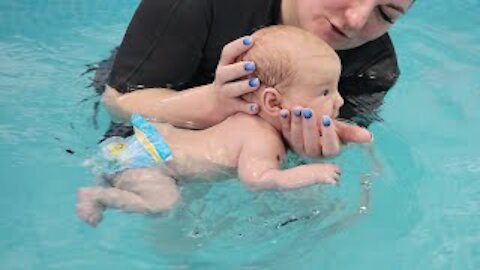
[(146, 148)]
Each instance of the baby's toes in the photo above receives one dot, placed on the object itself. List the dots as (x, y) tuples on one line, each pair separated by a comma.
[(83, 211), (90, 212), (95, 218)]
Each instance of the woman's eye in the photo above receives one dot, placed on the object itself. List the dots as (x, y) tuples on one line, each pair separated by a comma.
[(325, 92), (385, 16)]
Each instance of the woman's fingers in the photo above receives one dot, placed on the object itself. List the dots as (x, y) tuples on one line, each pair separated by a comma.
[(248, 108), (230, 83), (285, 123), (239, 88), (308, 136), (234, 49), (296, 130), (228, 73), (311, 135), (235, 71), (352, 133), (330, 141)]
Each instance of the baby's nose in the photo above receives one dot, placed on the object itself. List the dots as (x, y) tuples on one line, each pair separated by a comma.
[(339, 101)]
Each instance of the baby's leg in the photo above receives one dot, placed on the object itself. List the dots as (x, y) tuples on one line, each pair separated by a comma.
[(150, 191), (144, 190)]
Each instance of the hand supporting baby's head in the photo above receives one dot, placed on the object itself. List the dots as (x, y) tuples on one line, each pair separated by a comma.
[(295, 68)]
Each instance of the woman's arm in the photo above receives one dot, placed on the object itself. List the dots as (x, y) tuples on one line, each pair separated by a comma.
[(197, 107)]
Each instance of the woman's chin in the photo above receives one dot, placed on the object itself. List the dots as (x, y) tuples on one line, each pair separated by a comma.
[(335, 40)]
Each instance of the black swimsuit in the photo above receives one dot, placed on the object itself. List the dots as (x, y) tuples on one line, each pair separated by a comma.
[(176, 44)]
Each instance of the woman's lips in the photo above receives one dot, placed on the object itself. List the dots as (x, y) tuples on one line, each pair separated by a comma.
[(337, 30)]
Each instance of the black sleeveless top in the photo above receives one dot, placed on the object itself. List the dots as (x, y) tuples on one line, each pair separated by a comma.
[(176, 44)]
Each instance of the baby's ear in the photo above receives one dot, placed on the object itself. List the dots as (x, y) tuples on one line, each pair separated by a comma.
[(271, 101)]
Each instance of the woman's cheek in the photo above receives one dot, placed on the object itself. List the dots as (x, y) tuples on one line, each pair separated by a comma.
[(374, 30)]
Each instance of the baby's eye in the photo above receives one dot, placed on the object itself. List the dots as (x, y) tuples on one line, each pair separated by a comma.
[(325, 92)]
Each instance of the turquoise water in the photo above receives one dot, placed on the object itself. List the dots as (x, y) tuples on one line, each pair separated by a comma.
[(419, 208)]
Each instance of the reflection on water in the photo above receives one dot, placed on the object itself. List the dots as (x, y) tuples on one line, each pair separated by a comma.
[(253, 228)]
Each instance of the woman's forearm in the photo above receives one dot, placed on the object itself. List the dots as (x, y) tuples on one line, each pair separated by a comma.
[(193, 108)]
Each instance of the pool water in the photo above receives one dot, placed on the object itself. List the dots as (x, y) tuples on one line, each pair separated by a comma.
[(412, 201)]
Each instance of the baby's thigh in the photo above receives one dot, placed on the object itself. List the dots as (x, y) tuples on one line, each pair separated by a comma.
[(150, 183)]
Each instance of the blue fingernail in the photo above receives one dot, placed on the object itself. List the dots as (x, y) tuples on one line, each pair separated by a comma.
[(297, 112), (253, 82), (247, 41), (250, 66), (253, 107), (284, 115), (307, 113), (326, 121)]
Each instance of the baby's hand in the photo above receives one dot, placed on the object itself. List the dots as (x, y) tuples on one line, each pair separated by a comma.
[(326, 173)]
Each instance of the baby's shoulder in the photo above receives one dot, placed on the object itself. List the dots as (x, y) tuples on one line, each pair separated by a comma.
[(251, 121), (252, 125)]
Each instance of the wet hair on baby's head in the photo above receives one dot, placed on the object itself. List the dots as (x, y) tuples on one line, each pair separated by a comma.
[(277, 52)]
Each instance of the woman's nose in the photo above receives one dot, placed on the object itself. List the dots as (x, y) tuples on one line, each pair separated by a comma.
[(357, 15)]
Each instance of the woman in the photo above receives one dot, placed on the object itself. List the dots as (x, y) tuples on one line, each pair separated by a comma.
[(182, 45)]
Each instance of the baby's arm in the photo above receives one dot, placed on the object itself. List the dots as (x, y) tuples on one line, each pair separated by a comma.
[(259, 167)]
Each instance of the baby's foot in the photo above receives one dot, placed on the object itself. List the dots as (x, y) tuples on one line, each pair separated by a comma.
[(88, 209)]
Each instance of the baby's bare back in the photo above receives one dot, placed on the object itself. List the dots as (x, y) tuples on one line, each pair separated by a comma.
[(212, 153)]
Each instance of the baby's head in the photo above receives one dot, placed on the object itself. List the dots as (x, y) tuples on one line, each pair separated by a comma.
[(295, 68)]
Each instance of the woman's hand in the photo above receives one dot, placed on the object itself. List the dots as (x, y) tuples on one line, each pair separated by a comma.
[(313, 137), (230, 83), (195, 108)]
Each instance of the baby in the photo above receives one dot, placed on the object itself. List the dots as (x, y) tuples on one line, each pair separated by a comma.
[(295, 68)]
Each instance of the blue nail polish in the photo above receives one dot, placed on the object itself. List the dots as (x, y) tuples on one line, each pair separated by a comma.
[(284, 115), (253, 107), (253, 82), (326, 121), (247, 41), (297, 112), (307, 113), (250, 66)]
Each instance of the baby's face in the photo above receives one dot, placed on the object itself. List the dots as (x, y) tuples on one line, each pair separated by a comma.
[(316, 87)]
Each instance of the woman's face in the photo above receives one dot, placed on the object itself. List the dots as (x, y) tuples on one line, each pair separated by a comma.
[(344, 24)]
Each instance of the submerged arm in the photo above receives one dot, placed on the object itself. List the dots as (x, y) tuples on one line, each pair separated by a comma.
[(259, 168)]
